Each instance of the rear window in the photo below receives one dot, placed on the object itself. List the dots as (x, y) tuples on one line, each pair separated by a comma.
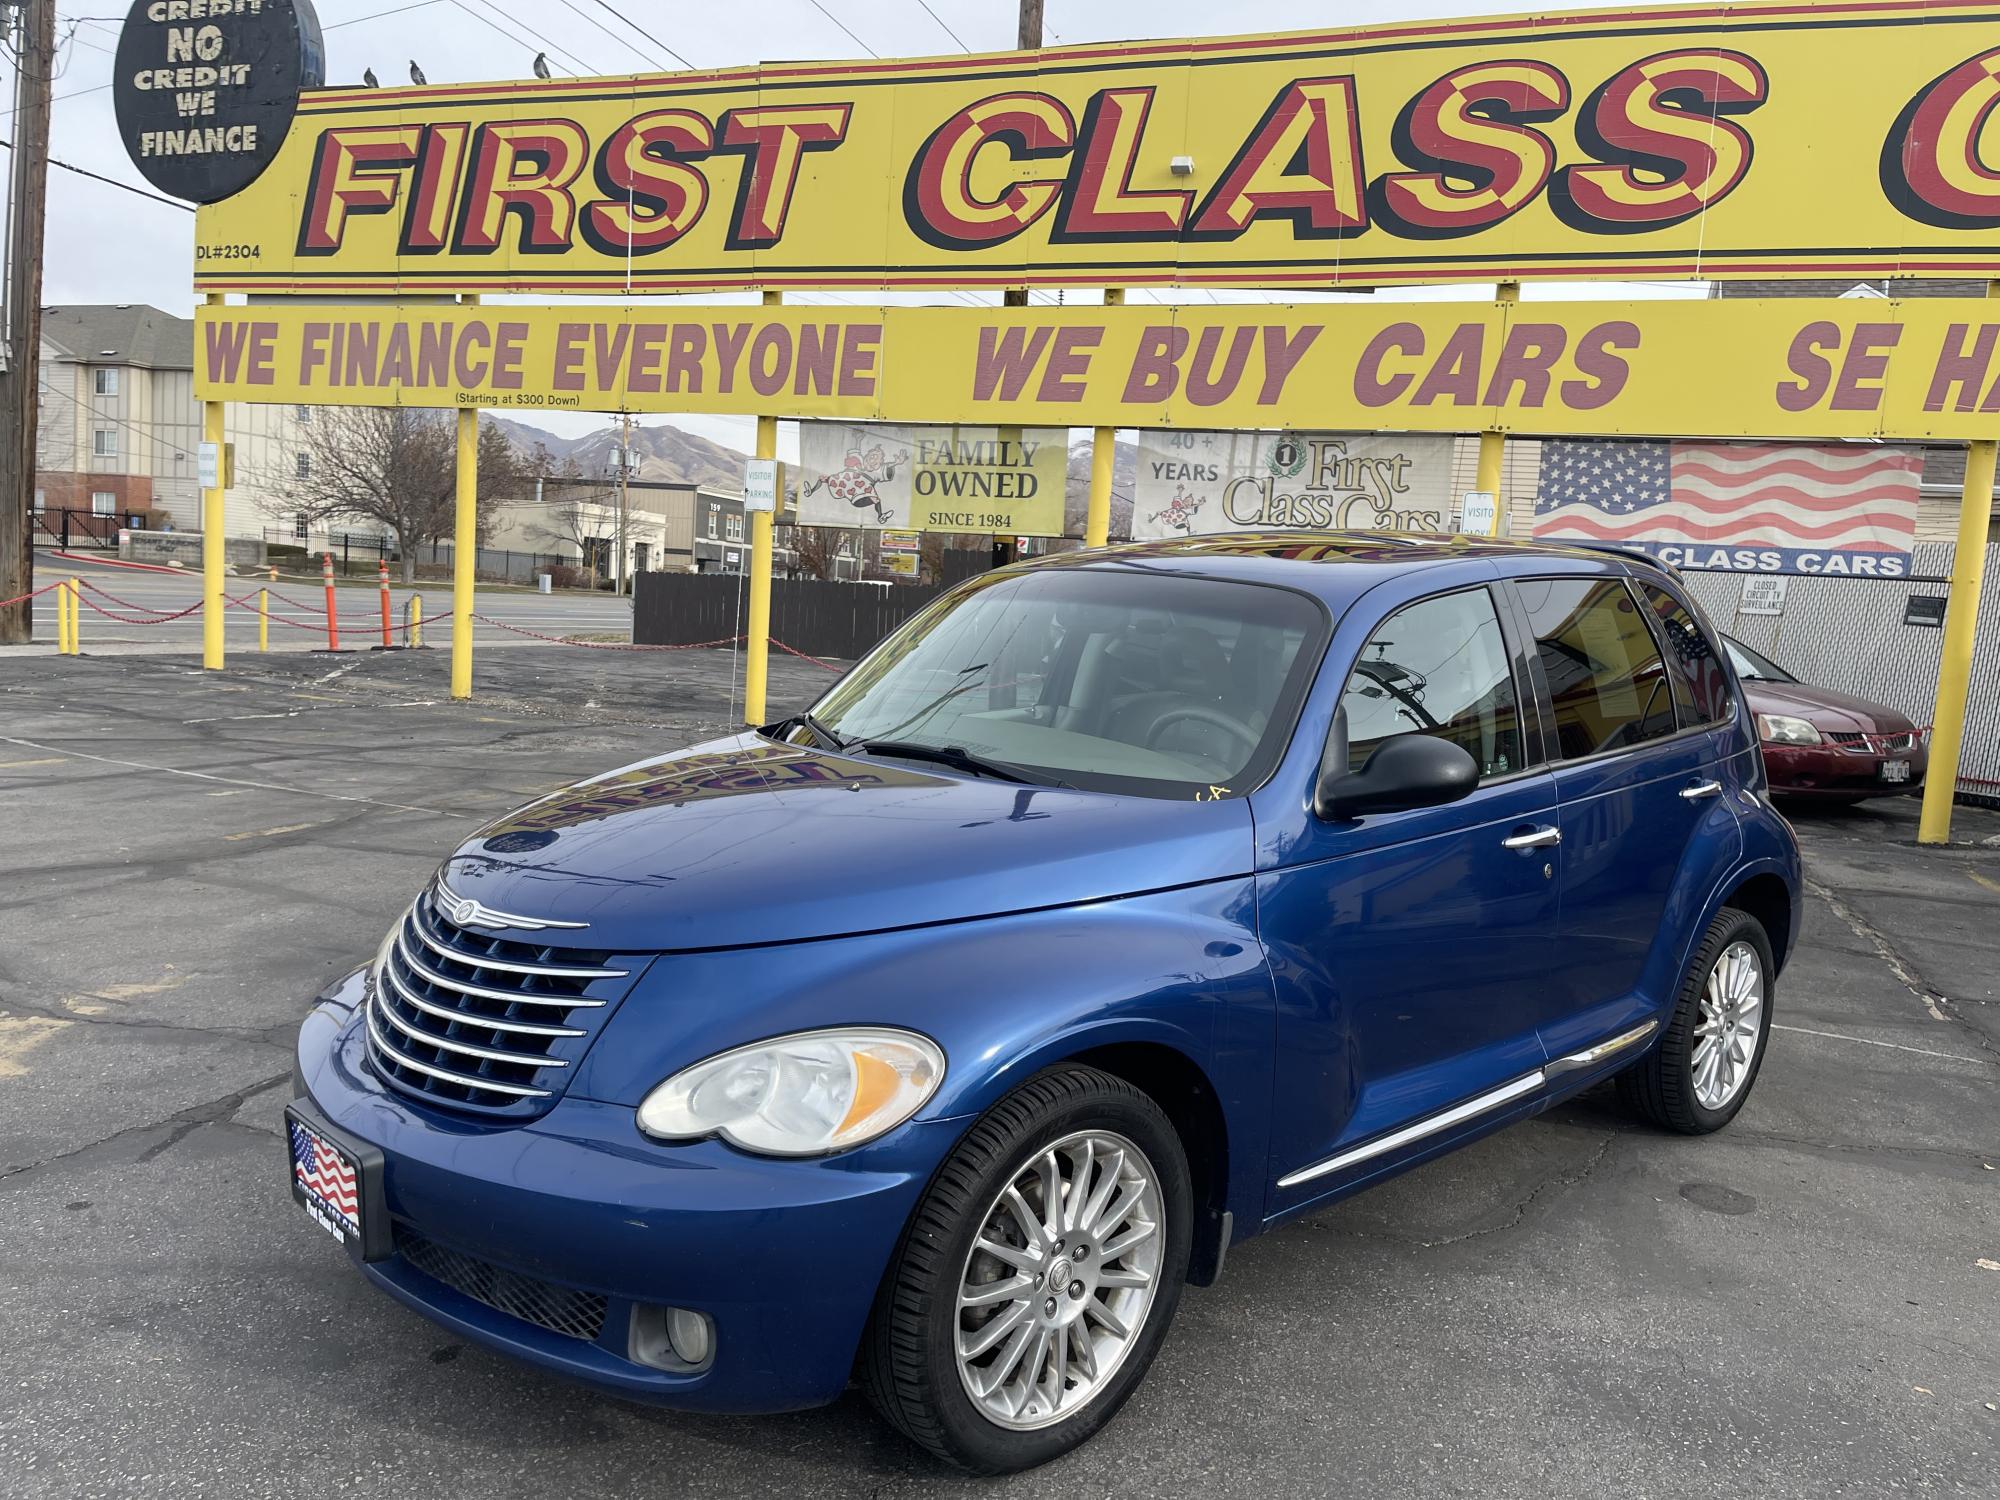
[(1608, 685), (1701, 686)]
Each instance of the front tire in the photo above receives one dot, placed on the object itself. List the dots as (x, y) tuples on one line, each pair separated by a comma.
[(1697, 1079), (1038, 1276)]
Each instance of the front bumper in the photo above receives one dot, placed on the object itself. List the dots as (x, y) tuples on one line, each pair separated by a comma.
[(784, 1256), (1834, 771)]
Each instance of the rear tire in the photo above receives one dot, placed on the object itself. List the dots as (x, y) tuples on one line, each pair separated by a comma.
[(1698, 1077), (985, 1360)]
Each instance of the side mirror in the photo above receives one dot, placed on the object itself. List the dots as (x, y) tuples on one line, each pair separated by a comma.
[(1410, 770)]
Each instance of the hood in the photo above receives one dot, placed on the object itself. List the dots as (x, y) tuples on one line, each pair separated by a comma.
[(744, 841), (1822, 707)]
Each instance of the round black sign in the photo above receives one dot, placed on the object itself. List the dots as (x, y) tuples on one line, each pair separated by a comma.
[(206, 89)]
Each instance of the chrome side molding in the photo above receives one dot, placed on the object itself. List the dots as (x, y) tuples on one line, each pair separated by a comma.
[(1458, 1114), (1591, 1056)]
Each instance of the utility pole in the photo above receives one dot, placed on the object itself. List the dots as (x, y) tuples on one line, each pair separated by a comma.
[(20, 383), (1028, 37)]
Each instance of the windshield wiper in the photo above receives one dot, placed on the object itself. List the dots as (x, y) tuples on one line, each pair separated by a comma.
[(827, 738), (959, 759)]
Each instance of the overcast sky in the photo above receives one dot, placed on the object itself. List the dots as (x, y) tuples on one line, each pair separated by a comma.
[(109, 246)]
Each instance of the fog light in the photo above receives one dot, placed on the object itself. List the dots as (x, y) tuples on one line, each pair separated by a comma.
[(691, 1335), (676, 1339)]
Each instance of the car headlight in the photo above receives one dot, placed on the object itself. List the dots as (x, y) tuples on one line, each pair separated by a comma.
[(1783, 729), (800, 1095)]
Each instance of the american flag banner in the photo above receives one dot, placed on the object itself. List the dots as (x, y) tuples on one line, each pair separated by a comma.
[(319, 1169), (1834, 508)]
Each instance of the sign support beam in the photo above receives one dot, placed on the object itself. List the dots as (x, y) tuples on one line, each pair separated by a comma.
[(1103, 459), (757, 665), (464, 547), (214, 554), (1961, 625), (1493, 445)]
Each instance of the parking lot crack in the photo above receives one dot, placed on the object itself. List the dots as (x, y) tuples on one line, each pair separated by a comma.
[(177, 1126), (1939, 1006)]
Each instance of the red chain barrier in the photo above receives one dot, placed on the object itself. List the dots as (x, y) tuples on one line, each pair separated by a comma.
[(48, 588), (151, 619)]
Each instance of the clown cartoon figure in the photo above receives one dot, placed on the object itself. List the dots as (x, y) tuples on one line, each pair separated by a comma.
[(1179, 512), (859, 481)]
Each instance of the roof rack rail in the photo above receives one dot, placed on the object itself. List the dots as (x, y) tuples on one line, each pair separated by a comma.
[(1633, 554)]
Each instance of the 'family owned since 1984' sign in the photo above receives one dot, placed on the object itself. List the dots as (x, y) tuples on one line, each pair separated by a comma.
[(205, 90)]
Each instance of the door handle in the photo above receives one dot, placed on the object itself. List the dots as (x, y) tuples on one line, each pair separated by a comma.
[(1533, 838), (1701, 789)]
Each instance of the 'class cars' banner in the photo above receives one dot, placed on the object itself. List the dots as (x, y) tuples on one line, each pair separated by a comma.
[(1008, 480), (1766, 140), (1782, 368), (1200, 483)]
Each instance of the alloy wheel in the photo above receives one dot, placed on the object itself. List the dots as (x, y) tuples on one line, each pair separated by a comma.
[(1060, 1279), (1730, 1027)]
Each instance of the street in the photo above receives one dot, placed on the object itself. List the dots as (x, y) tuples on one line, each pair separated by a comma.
[(1800, 1306)]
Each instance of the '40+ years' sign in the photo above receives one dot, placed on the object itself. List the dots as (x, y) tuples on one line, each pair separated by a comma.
[(1742, 140)]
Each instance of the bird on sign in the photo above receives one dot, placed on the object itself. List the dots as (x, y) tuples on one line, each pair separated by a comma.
[(417, 74), (541, 65), (369, 80)]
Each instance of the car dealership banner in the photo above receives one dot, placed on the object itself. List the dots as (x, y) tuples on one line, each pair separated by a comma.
[(1743, 140), (994, 479), (1789, 368), (1838, 509), (1199, 483)]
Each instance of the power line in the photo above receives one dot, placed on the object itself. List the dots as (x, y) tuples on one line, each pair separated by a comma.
[(623, 41), (926, 4), (553, 46), (844, 27), (604, 5), (6, 145)]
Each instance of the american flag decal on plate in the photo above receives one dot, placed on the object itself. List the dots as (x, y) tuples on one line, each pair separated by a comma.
[(326, 1177), (1845, 509)]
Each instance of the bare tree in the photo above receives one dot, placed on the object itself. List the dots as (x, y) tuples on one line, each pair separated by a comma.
[(397, 468), (817, 549), (576, 523)]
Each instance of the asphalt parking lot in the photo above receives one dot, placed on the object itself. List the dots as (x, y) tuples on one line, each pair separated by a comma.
[(1805, 1305)]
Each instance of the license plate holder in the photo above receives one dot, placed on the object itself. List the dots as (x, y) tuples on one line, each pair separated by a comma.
[(1895, 770), (323, 1158)]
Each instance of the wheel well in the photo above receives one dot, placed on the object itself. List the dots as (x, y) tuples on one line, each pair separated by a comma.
[(1182, 1090), (1769, 900)]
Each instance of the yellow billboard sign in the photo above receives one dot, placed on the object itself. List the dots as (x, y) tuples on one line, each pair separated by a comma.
[(1752, 140), (1783, 367)]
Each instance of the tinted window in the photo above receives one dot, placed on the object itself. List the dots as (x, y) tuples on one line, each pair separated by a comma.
[(1701, 686), (1606, 680), (1152, 683), (1437, 667)]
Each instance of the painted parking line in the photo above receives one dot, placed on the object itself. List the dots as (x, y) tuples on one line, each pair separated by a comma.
[(22, 765), (1869, 1041), (1985, 880), (269, 833)]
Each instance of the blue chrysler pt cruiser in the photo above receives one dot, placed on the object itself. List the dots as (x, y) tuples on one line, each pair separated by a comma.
[(1120, 906)]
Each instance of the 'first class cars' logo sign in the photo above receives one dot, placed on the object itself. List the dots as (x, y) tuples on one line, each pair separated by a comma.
[(1848, 138), (205, 90)]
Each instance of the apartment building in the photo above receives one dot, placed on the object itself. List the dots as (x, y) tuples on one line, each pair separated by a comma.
[(119, 426)]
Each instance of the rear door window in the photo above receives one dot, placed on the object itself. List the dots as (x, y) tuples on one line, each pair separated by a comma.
[(1608, 685), (1437, 667), (1694, 667)]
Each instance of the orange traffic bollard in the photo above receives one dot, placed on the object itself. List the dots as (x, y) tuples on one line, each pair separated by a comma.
[(332, 612), (387, 639)]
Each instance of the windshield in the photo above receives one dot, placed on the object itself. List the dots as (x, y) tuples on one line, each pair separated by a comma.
[(1750, 666), (1130, 681)]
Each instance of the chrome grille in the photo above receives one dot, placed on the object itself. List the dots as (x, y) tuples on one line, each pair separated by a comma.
[(560, 1309), (483, 1023), (1853, 739)]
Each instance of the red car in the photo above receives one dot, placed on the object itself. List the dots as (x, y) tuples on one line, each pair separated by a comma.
[(1826, 744)]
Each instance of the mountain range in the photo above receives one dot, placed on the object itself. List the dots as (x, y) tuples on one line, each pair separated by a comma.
[(666, 454)]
